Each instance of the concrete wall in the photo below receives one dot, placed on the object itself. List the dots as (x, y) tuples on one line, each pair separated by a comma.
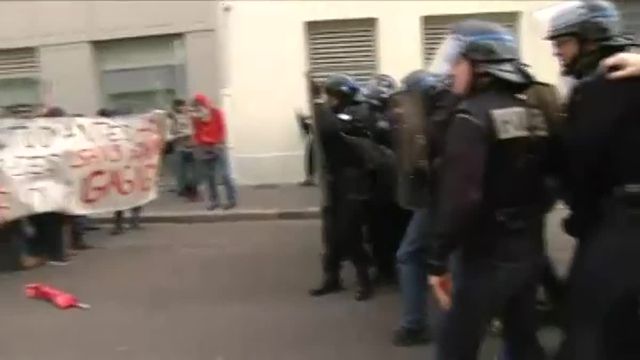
[(267, 60), (203, 64), (64, 32), (70, 76), (35, 23)]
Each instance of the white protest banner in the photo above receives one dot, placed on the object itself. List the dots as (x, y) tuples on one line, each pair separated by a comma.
[(79, 165)]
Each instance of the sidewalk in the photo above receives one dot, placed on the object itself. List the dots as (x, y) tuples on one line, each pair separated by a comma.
[(254, 203)]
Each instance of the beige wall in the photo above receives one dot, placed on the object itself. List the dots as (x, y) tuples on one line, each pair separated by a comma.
[(267, 59)]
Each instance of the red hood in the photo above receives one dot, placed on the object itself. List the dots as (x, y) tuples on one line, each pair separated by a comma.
[(212, 131), (203, 100)]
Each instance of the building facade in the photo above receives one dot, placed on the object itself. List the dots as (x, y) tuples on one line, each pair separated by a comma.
[(84, 55), (251, 57)]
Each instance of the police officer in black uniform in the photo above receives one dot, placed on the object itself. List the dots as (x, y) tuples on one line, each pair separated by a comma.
[(602, 144), (377, 94), (387, 221), (423, 104), (488, 207), (342, 125)]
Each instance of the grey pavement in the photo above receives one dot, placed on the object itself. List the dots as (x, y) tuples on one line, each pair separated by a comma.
[(229, 291)]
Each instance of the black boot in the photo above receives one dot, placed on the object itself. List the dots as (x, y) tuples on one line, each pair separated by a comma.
[(118, 227), (365, 289), (405, 337), (331, 284)]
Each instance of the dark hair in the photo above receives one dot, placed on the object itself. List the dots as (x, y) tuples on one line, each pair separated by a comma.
[(104, 112), (54, 111), (178, 102)]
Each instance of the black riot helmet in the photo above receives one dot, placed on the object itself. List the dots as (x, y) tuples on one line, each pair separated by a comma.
[(343, 88), (379, 89), (596, 20), (489, 46), (421, 81), (428, 86), (593, 22)]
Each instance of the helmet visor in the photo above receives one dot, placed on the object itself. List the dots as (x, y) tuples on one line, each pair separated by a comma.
[(447, 54)]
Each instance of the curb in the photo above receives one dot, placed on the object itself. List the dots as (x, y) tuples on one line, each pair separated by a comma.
[(199, 217)]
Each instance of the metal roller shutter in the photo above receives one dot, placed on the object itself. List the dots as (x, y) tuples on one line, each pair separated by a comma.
[(630, 12), (435, 28), (20, 88), (342, 46), (19, 63)]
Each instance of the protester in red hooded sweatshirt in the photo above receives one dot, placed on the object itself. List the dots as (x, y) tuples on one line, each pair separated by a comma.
[(210, 137)]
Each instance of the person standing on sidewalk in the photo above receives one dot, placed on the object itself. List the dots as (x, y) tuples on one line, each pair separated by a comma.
[(211, 150), (118, 216), (185, 164)]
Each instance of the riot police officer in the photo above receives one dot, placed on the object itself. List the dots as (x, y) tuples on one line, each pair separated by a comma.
[(386, 220), (602, 185), (423, 104), (377, 93), (488, 206), (342, 127)]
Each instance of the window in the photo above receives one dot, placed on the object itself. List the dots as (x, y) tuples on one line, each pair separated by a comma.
[(19, 77), (435, 28), (342, 46), (143, 73)]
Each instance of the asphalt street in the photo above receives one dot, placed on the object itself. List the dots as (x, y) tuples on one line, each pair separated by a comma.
[(235, 291)]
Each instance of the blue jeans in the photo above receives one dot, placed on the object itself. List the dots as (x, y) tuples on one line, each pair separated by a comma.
[(186, 170), (213, 161), (411, 259)]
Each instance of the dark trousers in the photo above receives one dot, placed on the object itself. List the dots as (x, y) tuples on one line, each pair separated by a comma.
[(118, 217), (309, 159), (48, 239), (387, 223), (604, 288), (343, 235), (483, 290), (11, 246)]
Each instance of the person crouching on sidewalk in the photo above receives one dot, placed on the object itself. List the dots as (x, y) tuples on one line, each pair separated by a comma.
[(211, 151)]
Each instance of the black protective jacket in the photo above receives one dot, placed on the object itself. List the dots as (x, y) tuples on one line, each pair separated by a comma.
[(349, 154), (491, 180), (602, 147)]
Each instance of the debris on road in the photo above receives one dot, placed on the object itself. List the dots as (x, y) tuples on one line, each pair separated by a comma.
[(59, 298)]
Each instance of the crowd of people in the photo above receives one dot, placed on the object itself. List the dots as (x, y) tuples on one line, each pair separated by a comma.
[(455, 169), (197, 152)]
